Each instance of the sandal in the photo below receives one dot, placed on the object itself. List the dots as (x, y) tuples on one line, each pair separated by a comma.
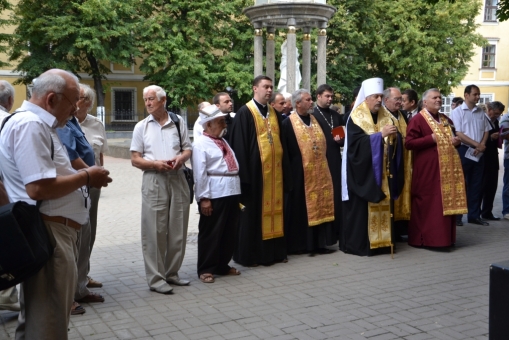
[(233, 271), (207, 278), (93, 283), (77, 309), (92, 297)]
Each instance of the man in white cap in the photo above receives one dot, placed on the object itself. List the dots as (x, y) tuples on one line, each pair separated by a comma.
[(157, 150), (217, 191), (255, 137), (370, 177)]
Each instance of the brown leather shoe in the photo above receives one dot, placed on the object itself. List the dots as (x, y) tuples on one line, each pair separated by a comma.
[(93, 283), (90, 298)]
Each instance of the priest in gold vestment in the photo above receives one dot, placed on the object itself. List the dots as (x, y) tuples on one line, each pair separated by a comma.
[(393, 102), (372, 174), (438, 187), (255, 137), (310, 207)]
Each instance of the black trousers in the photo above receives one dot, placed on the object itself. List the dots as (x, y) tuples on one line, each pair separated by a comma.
[(217, 235), (490, 184), (473, 172)]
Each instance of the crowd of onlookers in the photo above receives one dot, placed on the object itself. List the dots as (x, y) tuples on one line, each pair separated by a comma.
[(281, 176)]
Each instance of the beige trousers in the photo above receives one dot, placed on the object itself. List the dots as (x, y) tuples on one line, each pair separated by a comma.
[(164, 220), (46, 298)]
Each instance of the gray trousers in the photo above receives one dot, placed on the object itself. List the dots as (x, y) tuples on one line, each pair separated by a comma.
[(164, 220), (83, 246), (46, 298)]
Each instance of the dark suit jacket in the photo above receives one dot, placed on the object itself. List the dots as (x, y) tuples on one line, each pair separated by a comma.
[(491, 152)]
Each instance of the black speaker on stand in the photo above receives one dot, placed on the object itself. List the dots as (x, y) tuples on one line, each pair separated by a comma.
[(499, 301)]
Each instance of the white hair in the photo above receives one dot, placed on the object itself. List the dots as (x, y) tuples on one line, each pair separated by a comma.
[(297, 96), (6, 92), (160, 93), (90, 93), (427, 92), (51, 81)]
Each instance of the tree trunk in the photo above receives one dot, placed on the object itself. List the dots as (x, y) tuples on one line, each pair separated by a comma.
[(96, 75)]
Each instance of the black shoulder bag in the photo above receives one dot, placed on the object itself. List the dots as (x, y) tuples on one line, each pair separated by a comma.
[(25, 244), (187, 171)]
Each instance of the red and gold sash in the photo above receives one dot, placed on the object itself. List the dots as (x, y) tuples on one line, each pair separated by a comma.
[(317, 178), (271, 155), (452, 182)]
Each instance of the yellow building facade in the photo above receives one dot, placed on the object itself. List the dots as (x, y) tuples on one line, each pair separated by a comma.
[(489, 68)]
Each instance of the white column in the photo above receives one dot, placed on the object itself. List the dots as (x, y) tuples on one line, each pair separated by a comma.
[(306, 59), (258, 52), (292, 59), (321, 74), (270, 54)]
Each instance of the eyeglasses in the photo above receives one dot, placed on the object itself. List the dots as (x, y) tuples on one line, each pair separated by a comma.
[(73, 105), (85, 98), (398, 99)]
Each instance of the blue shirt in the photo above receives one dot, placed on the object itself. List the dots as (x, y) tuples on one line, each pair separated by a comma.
[(75, 142)]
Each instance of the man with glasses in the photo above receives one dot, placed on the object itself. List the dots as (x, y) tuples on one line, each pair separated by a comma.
[(393, 99), (491, 166), (36, 167)]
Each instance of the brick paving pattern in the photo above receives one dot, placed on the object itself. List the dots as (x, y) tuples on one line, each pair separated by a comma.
[(420, 294)]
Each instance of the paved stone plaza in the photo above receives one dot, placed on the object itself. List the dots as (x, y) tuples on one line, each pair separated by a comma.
[(420, 294)]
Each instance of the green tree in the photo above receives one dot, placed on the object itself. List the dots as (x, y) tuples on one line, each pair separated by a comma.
[(5, 38), (409, 43), (74, 35), (195, 48)]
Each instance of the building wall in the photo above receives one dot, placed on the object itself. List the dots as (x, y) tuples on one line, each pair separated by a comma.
[(493, 82)]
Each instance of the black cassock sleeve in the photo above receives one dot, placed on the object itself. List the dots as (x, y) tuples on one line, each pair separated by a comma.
[(359, 167)]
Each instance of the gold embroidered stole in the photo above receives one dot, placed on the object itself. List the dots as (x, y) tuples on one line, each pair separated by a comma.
[(402, 206), (451, 171), (271, 155), (379, 214), (317, 178)]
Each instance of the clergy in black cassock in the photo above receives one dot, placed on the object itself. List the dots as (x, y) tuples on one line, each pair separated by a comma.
[(255, 139), (329, 119), (309, 210), (371, 174)]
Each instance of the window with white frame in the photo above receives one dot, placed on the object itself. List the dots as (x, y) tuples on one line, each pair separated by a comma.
[(485, 98), (490, 10), (446, 104), (124, 104), (488, 56)]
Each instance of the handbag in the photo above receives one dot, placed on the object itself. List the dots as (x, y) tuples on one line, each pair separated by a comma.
[(188, 173), (25, 245)]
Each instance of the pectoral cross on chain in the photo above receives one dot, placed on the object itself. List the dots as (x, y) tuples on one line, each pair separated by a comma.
[(270, 138)]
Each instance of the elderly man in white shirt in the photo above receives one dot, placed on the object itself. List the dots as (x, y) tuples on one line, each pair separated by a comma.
[(473, 129), (36, 166), (217, 190), (94, 131), (155, 149)]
